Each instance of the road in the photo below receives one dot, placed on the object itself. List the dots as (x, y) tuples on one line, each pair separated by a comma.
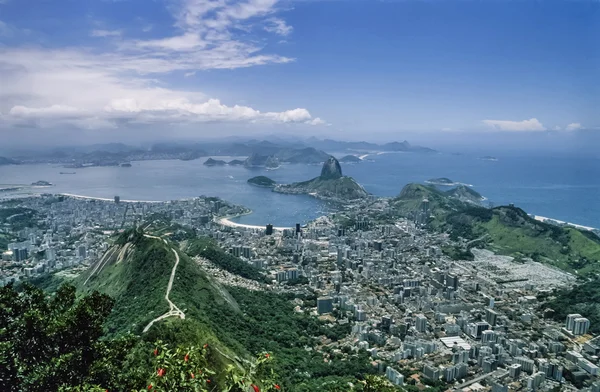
[(174, 311)]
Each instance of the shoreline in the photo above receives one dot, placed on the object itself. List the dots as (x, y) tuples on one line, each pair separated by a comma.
[(575, 225), (225, 221)]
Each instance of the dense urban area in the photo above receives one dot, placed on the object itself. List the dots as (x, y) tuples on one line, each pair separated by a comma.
[(426, 320)]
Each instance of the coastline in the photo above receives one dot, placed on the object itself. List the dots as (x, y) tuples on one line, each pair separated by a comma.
[(106, 199), (225, 221), (575, 225)]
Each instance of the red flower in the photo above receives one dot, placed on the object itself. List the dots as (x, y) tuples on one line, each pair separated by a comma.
[(277, 387), (192, 375), (208, 381), (185, 359), (150, 387), (256, 389), (267, 355), (160, 372), (155, 352), (206, 345)]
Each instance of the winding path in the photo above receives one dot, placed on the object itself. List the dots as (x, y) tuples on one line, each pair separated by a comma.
[(173, 309)]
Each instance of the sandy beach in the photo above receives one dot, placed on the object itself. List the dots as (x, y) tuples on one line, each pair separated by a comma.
[(226, 222), (544, 219)]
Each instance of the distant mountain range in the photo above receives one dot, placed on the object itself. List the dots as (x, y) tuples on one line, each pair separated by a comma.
[(310, 151)]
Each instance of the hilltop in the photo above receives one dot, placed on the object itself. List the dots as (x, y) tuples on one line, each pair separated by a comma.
[(330, 185), (506, 230)]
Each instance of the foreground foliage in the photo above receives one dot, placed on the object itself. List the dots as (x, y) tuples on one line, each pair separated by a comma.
[(58, 344)]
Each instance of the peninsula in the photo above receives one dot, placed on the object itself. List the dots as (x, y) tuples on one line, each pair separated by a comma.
[(330, 185)]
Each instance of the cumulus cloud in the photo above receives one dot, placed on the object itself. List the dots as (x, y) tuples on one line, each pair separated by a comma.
[(573, 127), (514, 126), (105, 89)]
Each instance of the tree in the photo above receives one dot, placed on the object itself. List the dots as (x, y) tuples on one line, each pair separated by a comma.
[(46, 343)]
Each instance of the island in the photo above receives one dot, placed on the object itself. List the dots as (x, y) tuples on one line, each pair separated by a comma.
[(41, 183), (350, 159), (214, 162), (330, 185), (126, 164), (262, 181), (235, 162), (443, 181)]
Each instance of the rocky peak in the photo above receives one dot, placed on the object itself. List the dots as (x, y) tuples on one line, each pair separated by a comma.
[(331, 169)]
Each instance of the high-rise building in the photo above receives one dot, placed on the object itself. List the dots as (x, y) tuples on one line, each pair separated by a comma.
[(117, 199), (581, 326), (324, 305), (491, 316), (269, 229), (452, 281), (425, 207), (432, 372), (394, 376), (298, 230), (81, 252), (569, 324), (292, 274), (20, 254), (526, 363), (488, 336), (421, 323), (514, 370)]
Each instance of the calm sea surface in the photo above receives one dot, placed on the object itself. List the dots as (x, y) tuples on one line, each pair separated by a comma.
[(562, 187)]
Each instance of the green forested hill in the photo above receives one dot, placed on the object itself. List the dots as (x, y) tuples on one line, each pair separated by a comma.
[(505, 230), (236, 322)]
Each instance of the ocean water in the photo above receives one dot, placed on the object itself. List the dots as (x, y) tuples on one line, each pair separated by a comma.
[(561, 187)]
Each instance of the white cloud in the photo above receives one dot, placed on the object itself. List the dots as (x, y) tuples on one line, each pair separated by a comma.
[(317, 121), (88, 88), (573, 127), (557, 128), (446, 129), (106, 33), (278, 26), (514, 126)]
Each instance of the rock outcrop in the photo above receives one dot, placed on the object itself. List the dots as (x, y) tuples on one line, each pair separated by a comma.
[(331, 169)]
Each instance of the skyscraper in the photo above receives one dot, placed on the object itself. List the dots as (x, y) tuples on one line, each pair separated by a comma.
[(421, 323)]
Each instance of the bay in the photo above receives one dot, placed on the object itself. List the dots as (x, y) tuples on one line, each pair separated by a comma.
[(563, 187)]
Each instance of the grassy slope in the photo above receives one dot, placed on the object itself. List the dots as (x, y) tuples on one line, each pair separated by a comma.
[(137, 283)]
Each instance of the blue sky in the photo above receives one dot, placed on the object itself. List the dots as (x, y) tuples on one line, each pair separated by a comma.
[(341, 68)]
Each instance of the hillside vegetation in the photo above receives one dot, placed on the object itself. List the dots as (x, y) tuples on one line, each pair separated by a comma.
[(208, 249), (505, 230), (237, 324), (583, 299)]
